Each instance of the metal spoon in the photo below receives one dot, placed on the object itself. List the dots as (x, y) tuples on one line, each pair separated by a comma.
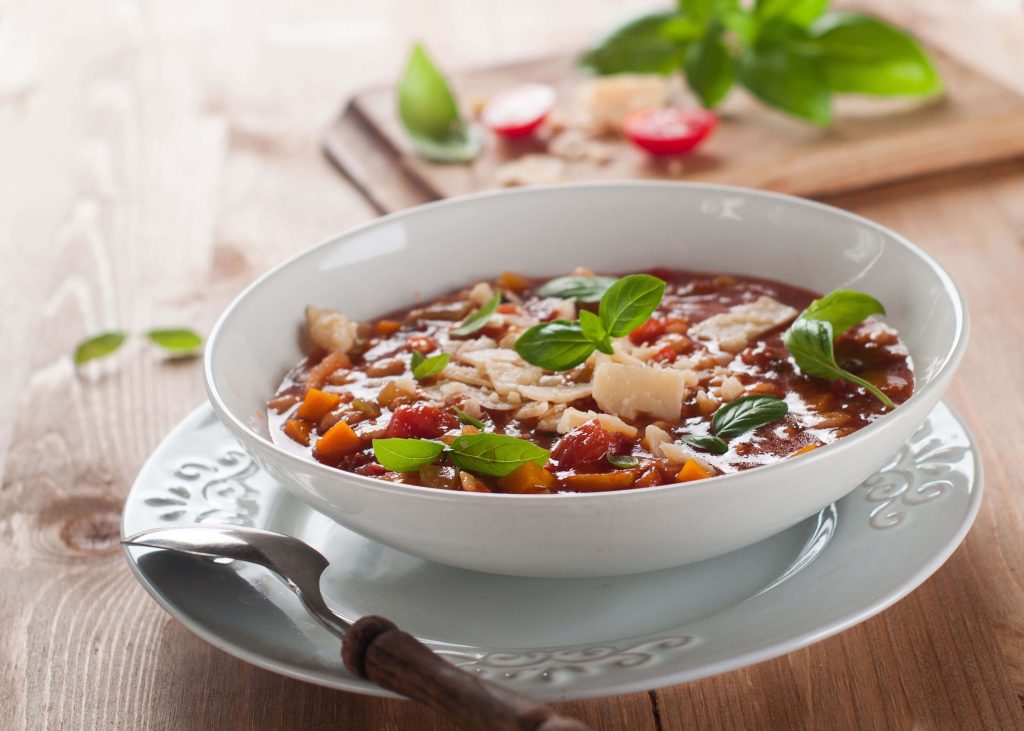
[(372, 647)]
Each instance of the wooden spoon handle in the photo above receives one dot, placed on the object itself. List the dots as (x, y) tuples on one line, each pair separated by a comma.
[(376, 649)]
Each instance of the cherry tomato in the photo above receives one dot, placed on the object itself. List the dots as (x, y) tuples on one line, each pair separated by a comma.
[(518, 111), (671, 131), (420, 421), (586, 444)]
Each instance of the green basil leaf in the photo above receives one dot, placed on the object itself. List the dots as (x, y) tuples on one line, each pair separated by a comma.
[(430, 115), (639, 46), (178, 340), (417, 359), (709, 68), (478, 319), (683, 28), (622, 461), (777, 73), (406, 455), (801, 12), (843, 308), (467, 419), (582, 289), (430, 367), (555, 346), (593, 329), (708, 443), (629, 303), (865, 55), (494, 454), (747, 413), (98, 346), (810, 344)]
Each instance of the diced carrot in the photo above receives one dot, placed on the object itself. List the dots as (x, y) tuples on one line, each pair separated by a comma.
[(691, 471), (338, 441), (387, 327), (317, 404), (529, 477), (601, 481), (508, 308), (512, 281), (804, 450), (298, 430), (472, 484)]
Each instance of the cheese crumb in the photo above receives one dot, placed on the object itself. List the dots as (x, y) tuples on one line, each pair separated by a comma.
[(572, 418), (731, 389), (531, 170), (330, 330), (608, 100), (631, 390)]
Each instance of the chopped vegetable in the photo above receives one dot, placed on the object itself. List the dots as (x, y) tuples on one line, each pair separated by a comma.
[(602, 481), (338, 441), (669, 132), (317, 404), (692, 470), (298, 430), (519, 111), (528, 477)]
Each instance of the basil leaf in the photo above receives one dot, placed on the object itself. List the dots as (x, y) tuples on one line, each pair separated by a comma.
[(98, 346), (708, 443), (709, 68), (406, 455), (478, 319), (417, 359), (555, 346), (593, 329), (843, 308), (773, 70), (800, 12), (629, 303), (429, 113), (866, 55), (810, 344), (639, 46), (178, 340), (622, 461), (747, 413), (582, 289), (429, 367), (467, 419), (494, 454)]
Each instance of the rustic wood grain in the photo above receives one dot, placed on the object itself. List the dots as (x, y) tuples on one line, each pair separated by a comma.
[(872, 142), (157, 156)]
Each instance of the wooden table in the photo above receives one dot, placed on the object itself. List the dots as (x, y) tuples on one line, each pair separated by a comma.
[(157, 156)]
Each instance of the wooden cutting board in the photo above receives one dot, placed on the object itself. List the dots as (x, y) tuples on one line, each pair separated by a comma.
[(872, 141)]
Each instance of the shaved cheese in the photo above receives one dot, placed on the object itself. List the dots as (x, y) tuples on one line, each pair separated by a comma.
[(533, 410), (629, 390), (556, 394), (562, 309), (486, 355), (572, 418), (678, 454), (480, 293), (465, 374), (736, 327), (330, 330), (655, 437), (406, 385), (731, 389), (608, 100)]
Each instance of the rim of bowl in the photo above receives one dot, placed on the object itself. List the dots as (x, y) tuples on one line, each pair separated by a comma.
[(841, 446)]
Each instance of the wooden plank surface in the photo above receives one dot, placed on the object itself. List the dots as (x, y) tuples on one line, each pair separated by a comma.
[(157, 156), (979, 121)]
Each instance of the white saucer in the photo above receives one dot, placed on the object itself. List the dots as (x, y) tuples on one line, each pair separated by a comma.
[(552, 638)]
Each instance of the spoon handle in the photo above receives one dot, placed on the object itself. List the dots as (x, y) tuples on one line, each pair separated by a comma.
[(376, 649)]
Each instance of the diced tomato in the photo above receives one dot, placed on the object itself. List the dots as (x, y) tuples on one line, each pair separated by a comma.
[(648, 332), (586, 444), (665, 354), (371, 469), (519, 111), (420, 421), (671, 131)]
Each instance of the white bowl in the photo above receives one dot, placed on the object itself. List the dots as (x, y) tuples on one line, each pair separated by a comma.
[(422, 252)]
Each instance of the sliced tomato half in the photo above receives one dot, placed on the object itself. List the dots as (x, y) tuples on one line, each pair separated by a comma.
[(670, 131), (518, 112)]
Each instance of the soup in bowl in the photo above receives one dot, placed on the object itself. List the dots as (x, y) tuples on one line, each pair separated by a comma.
[(587, 380)]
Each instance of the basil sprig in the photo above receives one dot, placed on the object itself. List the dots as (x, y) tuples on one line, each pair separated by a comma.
[(622, 461), (747, 413), (478, 319), (467, 419), (561, 345), (811, 338), (708, 442), (179, 342), (98, 346), (810, 342), (579, 288), (790, 54), (430, 114), (494, 455), (406, 455), (424, 368)]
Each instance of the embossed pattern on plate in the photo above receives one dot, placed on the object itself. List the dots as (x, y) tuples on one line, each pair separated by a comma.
[(624, 633)]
